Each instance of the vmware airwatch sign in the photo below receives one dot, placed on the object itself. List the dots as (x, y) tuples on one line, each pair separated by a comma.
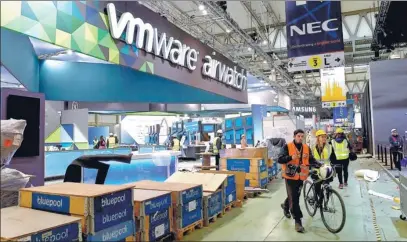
[(169, 48)]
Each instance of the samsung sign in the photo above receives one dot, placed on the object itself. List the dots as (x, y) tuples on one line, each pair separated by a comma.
[(148, 38), (304, 109)]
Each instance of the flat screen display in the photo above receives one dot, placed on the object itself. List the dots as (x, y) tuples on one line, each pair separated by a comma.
[(27, 108)]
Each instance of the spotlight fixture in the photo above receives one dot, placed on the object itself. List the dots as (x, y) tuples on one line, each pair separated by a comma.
[(249, 49), (201, 7), (265, 42), (227, 31), (265, 62), (204, 12)]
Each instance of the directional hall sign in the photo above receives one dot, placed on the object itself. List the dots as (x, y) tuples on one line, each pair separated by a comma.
[(314, 35), (316, 62)]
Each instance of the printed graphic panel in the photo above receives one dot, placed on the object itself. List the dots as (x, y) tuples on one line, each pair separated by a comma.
[(313, 27), (316, 62), (333, 86)]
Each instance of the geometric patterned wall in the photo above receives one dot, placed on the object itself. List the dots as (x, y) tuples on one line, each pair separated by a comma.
[(75, 25), (64, 135)]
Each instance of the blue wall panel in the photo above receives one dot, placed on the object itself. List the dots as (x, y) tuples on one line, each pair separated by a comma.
[(20, 59), (88, 82)]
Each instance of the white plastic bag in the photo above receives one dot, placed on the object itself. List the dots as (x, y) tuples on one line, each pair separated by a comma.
[(11, 138), (368, 175)]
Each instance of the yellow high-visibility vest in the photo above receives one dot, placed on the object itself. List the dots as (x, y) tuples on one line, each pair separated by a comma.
[(215, 148), (324, 157), (112, 142), (341, 149), (176, 146)]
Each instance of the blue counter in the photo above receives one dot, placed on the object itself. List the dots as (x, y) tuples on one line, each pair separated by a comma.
[(142, 166)]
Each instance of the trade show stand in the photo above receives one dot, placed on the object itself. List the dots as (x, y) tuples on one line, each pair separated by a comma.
[(236, 127), (253, 161), (156, 166)]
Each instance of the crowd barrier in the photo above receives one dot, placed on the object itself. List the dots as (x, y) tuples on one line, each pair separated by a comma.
[(384, 155)]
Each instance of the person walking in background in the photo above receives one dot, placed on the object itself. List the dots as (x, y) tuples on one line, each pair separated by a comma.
[(396, 147), (217, 146), (111, 141), (342, 149), (295, 158), (243, 142), (95, 142), (102, 143)]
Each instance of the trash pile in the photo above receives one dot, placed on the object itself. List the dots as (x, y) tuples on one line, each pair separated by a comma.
[(11, 179)]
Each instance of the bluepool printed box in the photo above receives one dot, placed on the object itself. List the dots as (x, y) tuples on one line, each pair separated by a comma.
[(99, 206)]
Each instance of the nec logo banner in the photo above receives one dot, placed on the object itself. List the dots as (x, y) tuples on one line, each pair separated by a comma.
[(313, 27)]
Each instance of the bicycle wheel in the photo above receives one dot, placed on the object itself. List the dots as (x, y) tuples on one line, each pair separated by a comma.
[(334, 209), (309, 198)]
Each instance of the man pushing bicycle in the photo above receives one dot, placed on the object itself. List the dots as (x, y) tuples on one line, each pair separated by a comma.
[(296, 159)]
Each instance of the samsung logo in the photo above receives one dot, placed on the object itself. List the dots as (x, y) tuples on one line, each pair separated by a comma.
[(305, 109), (313, 28)]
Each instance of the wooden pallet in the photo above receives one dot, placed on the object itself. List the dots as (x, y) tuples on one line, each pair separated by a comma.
[(189, 229), (235, 204), (168, 238), (213, 219)]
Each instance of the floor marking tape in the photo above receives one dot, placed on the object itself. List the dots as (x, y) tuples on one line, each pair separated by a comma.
[(374, 219)]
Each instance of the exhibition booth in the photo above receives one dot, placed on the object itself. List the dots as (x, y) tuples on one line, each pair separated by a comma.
[(78, 51)]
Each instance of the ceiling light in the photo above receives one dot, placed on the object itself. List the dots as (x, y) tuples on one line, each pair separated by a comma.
[(264, 42), (69, 52), (201, 7), (265, 62), (204, 12), (227, 31), (249, 49)]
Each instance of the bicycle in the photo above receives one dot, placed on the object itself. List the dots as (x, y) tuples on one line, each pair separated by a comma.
[(314, 201)]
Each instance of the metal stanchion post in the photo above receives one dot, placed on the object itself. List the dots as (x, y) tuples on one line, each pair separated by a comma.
[(381, 153), (385, 156), (378, 152), (391, 164), (391, 159)]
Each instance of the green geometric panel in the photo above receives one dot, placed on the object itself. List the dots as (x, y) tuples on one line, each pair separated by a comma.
[(150, 66), (89, 46), (107, 40), (76, 23), (51, 32), (91, 33), (39, 32), (54, 137), (104, 19), (74, 45), (82, 145), (79, 37), (27, 12), (21, 24), (64, 22), (10, 10), (97, 52), (65, 7), (63, 39), (45, 11)]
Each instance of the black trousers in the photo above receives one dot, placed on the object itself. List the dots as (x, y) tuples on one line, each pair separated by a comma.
[(217, 158), (292, 202), (397, 156), (342, 170)]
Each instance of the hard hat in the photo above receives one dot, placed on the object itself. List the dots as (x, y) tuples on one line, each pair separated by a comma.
[(393, 130), (325, 172), (320, 132), (243, 135), (111, 134), (115, 134), (339, 131), (219, 131)]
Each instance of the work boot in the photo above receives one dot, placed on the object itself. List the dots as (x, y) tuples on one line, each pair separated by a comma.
[(340, 186), (287, 213), (298, 227)]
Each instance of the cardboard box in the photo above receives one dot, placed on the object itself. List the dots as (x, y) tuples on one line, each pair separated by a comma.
[(250, 152), (100, 207), (213, 205), (239, 177), (26, 224)]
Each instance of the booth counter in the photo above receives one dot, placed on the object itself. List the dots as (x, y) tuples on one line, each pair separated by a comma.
[(157, 166)]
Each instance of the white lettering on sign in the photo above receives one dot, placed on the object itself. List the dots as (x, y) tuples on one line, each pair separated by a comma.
[(222, 73), (313, 28), (305, 109), (148, 38)]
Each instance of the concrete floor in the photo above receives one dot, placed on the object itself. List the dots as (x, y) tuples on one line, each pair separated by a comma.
[(261, 218)]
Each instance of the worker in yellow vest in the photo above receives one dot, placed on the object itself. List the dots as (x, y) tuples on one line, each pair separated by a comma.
[(175, 143), (296, 159), (111, 141), (217, 146), (324, 153), (342, 149)]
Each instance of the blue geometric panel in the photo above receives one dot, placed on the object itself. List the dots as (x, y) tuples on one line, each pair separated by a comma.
[(65, 136), (69, 129)]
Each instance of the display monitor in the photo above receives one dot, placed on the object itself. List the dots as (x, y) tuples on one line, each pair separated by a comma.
[(208, 128), (28, 109)]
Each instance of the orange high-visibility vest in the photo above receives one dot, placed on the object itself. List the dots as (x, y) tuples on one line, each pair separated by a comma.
[(292, 150)]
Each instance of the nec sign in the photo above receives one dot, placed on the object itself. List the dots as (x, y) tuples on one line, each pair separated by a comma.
[(313, 28)]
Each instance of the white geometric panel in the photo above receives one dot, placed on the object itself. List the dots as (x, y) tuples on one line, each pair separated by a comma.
[(345, 32), (78, 135), (364, 29), (352, 22), (281, 42)]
